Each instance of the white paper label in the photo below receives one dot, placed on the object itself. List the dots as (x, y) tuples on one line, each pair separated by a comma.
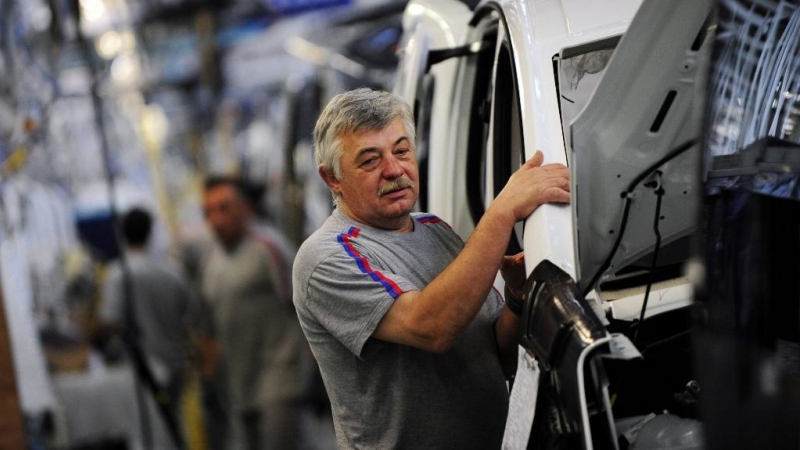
[(522, 404), (620, 347)]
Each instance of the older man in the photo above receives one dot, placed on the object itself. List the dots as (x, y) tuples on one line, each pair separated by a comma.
[(410, 337)]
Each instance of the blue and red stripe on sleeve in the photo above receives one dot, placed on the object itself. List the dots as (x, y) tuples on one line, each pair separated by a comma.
[(363, 265)]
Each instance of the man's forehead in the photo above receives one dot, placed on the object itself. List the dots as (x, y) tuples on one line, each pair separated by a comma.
[(370, 138)]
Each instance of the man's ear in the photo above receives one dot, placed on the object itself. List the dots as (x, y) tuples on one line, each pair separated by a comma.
[(333, 183)]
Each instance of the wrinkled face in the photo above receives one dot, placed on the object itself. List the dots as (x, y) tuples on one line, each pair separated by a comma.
[(226, 213), (380, 179)]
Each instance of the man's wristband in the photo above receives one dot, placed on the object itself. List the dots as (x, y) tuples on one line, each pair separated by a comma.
[(514, 304)]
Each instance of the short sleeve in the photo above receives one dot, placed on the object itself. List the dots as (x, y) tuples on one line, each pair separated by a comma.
[(349, 297), (494, 303)]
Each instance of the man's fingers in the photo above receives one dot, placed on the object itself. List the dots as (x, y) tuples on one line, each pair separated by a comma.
[(556, 195), (538, 174), (513, 260), (554, 181), (537, 183), (555, 166), (536, 160)]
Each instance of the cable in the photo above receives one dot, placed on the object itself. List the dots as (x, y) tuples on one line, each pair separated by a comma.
[(626, 195), (659, 197)]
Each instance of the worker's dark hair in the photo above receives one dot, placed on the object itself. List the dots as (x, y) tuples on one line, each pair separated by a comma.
[(136, 226), (252, 193), (215, 181)]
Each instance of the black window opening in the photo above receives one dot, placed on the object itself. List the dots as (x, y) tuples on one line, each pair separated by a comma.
[(508, 149), (422, 116), (478, 130)]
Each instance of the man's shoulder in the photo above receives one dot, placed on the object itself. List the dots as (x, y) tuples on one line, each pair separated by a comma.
[(322, 244), (274, 238), (429, 219), (164, 271), (260, 242), (438, 226)]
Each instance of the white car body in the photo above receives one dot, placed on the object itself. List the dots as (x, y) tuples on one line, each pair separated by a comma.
[(487, 87), (537, 30), (532, 33)]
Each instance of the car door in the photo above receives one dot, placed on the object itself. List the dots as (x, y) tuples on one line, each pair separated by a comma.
[(512, 111)]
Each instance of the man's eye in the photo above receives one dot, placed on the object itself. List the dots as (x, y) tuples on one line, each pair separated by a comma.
[(402, 151), (368, 162)]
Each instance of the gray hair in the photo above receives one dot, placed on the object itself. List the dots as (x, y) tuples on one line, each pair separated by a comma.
[(353, 111)]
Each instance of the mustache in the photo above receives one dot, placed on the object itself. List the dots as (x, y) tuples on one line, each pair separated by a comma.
[(395, 185)]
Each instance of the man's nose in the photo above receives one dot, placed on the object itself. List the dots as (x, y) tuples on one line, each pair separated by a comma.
[(392, 168), (212, 216)]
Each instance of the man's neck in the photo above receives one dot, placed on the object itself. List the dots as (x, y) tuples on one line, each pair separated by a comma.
[(137, 250), (232, 246), (402, 224)]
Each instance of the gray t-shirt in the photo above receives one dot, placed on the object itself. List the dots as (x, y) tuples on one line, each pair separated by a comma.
[(386, 395), (263, 355), (161, 303)]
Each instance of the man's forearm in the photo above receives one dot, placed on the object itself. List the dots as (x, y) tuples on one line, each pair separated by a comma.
[(452, 300)]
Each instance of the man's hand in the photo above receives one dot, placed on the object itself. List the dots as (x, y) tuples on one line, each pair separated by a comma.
[(513, 271), (532, 185), (433, 318)]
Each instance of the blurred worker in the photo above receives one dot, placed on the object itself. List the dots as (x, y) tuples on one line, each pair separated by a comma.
[(263, 356), (413, 343), (160, 301)]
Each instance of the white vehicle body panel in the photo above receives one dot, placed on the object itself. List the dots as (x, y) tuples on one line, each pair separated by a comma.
[(539, 30), (536, 32)]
